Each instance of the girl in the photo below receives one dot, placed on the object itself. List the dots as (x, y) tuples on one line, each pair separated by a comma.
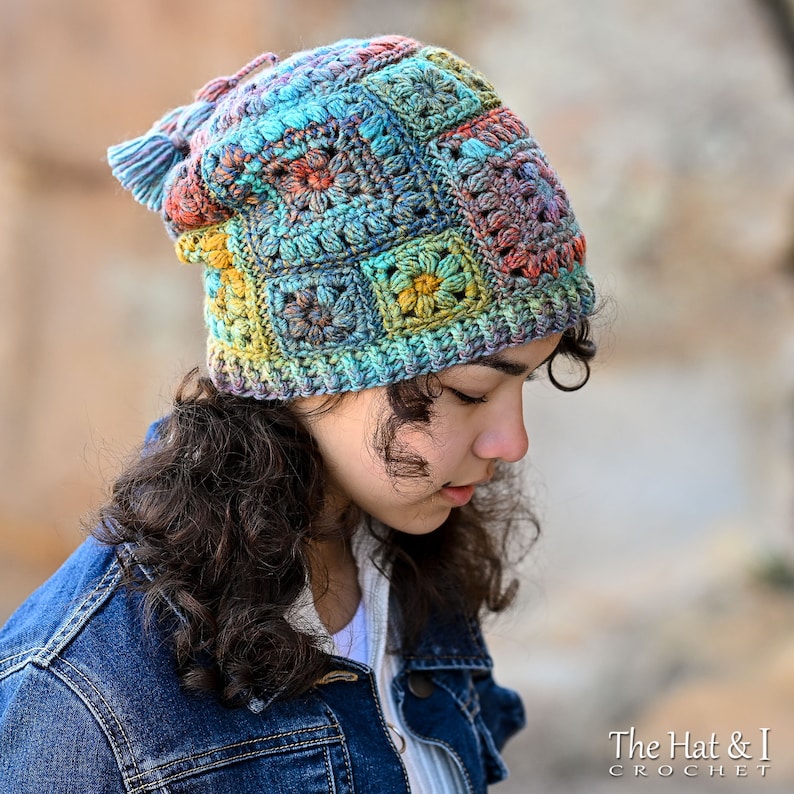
[(284, 588)]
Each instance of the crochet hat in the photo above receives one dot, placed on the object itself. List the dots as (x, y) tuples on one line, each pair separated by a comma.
[(365, 212)]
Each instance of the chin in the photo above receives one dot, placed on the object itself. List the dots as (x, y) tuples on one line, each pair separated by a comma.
[(421, 525)]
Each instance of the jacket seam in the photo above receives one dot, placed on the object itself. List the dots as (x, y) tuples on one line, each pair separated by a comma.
[(463, 705), (461, 764), (485, 736), (464, 657), (147, 786), (328, 777), (74, 623), (345, 753), (378, 710), (85, 697), (450, 662), (26, 657), (385, 730), (196, 756), (475, 633)]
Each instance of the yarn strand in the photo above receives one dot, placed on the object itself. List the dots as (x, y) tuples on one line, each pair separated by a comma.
[(216, 88), (142, 164)]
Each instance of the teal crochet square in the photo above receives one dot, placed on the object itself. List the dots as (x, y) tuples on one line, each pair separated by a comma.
[(466, 73), (342, 190), (428, 100), (317, 311)]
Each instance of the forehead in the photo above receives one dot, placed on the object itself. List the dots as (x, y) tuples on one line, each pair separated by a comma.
[(520, 360)]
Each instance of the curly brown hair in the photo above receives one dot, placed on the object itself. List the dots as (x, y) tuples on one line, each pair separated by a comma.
[(219, 510)]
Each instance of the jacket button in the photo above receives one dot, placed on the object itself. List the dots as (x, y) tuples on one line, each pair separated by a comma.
[(420, 685)]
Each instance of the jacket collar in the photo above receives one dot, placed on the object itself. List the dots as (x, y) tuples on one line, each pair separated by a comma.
[(454, 642)]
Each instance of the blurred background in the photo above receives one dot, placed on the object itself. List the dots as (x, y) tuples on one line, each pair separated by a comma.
[(661, 595)]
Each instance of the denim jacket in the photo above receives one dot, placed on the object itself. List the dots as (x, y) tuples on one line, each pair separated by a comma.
[(90, 703)]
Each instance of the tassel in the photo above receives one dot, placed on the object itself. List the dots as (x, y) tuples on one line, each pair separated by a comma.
[(190, 119), (142, 165)]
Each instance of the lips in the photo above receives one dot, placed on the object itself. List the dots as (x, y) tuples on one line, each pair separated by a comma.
[(459, 495)]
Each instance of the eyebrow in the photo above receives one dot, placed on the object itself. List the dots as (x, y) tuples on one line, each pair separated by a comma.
[(498, 362)]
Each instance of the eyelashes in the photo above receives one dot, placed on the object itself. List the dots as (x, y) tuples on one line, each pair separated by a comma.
[(470, 399), (467, 398)]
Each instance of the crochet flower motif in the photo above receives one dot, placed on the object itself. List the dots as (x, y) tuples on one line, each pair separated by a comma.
[(432, 94), (320, 316), (319, 180), (543, 236), (541, 191), (431, 285), (426, 98), (227, 167)]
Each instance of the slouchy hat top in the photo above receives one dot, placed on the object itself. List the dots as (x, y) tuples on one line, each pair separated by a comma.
[(364, 212)]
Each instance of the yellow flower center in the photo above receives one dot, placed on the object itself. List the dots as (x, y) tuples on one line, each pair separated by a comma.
[(426, 284)]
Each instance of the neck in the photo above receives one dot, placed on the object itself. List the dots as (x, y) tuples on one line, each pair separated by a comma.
[(334, 583)]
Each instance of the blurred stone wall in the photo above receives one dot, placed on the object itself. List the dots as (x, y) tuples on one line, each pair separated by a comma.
[(665, 484)]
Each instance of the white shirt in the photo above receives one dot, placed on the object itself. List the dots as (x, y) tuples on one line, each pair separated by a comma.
[(429, 767)]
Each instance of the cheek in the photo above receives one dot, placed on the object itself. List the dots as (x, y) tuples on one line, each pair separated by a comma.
[(340, 450), (441, 446), (353, 463)]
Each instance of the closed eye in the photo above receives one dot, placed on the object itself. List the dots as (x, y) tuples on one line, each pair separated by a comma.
[(467, 398)]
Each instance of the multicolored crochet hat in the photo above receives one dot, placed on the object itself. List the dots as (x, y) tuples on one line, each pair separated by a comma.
[(365, 212)]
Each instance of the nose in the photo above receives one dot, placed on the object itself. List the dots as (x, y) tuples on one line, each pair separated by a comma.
[(504, 436)]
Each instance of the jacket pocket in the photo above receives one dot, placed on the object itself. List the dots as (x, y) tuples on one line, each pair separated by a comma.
[(501, 715)]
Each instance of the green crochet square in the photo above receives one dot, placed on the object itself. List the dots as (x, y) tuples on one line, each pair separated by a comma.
[(427, 282)]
